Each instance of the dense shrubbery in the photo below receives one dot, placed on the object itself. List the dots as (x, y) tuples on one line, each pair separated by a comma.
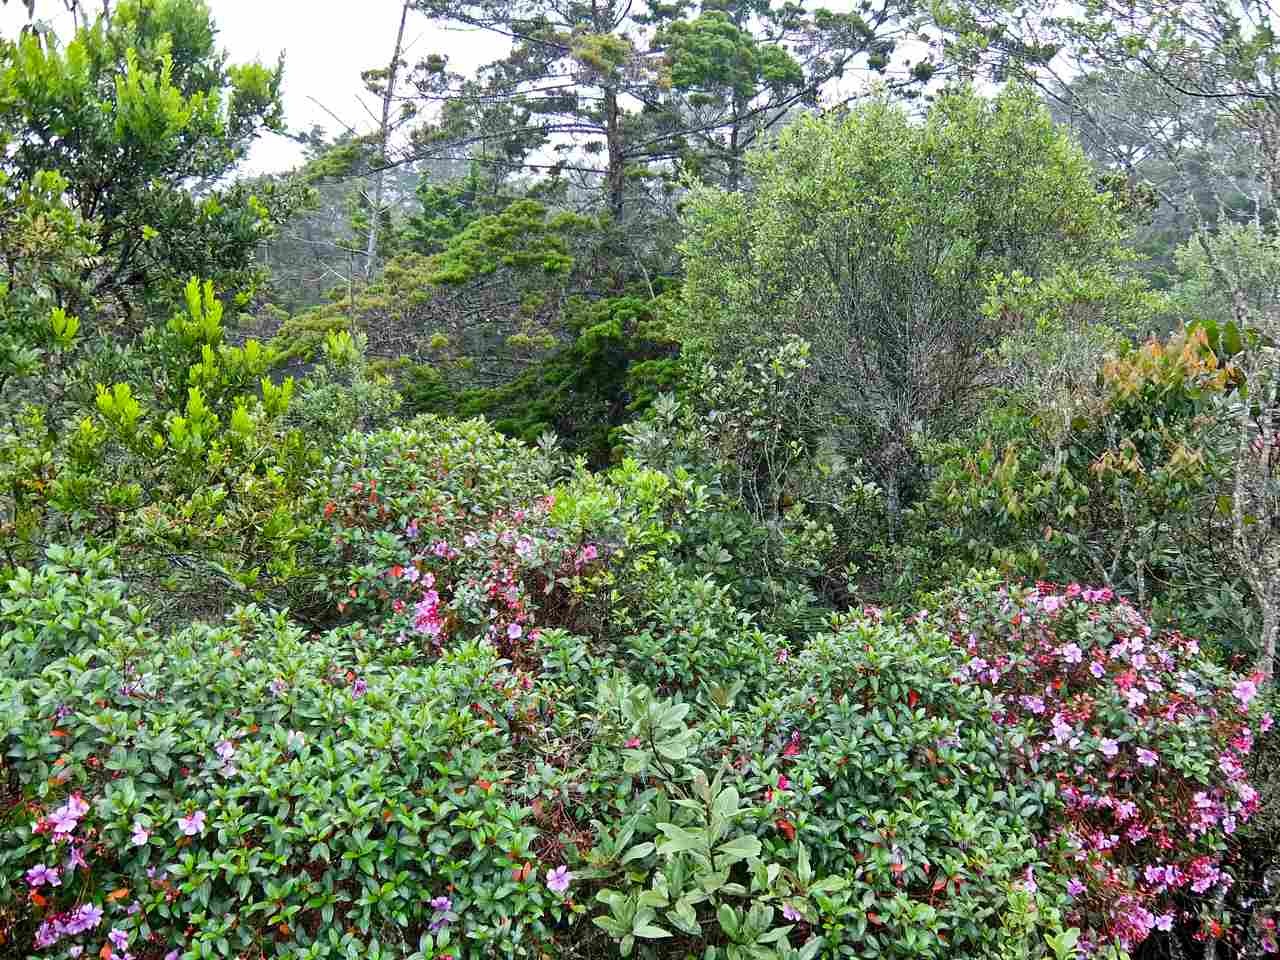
[(541, 735), (284, 675)]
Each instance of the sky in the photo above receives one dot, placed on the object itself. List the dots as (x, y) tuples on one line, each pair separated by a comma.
[(326, 43)]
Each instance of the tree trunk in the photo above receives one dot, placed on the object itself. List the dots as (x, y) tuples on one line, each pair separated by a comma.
[(616, 174), (1270, 634), (384, 132)]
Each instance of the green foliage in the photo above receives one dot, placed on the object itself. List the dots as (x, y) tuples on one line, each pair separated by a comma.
[(1126, 489), (873, 237), (132, 111)]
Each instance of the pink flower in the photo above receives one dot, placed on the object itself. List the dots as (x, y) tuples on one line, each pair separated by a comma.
[(193, 824), (225, 749), (140, 835), (1072, 653), (1266, 723), (1147, 757), (558, 879), (1245, 691), (514, 631), (1109, 748), (632, 743), (791, 913), (783, 655), (1051, 604), (67, 817), (1075, 887), (784, 783)]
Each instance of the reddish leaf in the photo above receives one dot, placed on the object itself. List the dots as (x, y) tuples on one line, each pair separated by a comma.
[(787, 827), (912, 698)]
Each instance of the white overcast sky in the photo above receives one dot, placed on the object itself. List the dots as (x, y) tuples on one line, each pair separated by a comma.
[(326, 43)]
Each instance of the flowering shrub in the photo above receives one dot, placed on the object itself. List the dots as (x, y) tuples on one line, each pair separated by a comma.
[(549, 730), (245, 788), (1142, 739)]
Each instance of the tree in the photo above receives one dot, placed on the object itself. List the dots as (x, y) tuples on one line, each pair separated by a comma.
[(146, 120), (638, 88), (874, 239)]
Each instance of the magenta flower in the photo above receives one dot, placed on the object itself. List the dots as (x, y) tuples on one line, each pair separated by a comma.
[(791, 913), (140, 835), (193, 824), (442, 904), (1051, 604), (39, 875), (1266, 723), (1075, 887), (1147, 757), (784, 783), (558, 879), (359, 688), (515, 631), (632, 743)]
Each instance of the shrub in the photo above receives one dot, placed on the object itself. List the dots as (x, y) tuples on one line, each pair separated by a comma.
[(245, 788), (1140, 737)]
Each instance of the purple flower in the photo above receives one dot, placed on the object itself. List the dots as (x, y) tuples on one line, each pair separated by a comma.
[(39, 875), (442, 904), (140, 835), (411, 531), (1097, 669), (1266, 723), (791, 913), (1072, 653), (134, 907), (173, 955), (193, 824), (74, 950), (359, 688), (515, 631), (1147, 757), (225, 749), (1075, 887), (558, 879), (119, 939), (1108, 747), (86, 917), (277, 687)]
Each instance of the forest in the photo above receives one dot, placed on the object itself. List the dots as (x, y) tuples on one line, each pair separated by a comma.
[(721, 480)]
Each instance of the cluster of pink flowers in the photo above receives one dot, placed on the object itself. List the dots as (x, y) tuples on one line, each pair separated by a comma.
[(483, 575), (1100, 696)]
